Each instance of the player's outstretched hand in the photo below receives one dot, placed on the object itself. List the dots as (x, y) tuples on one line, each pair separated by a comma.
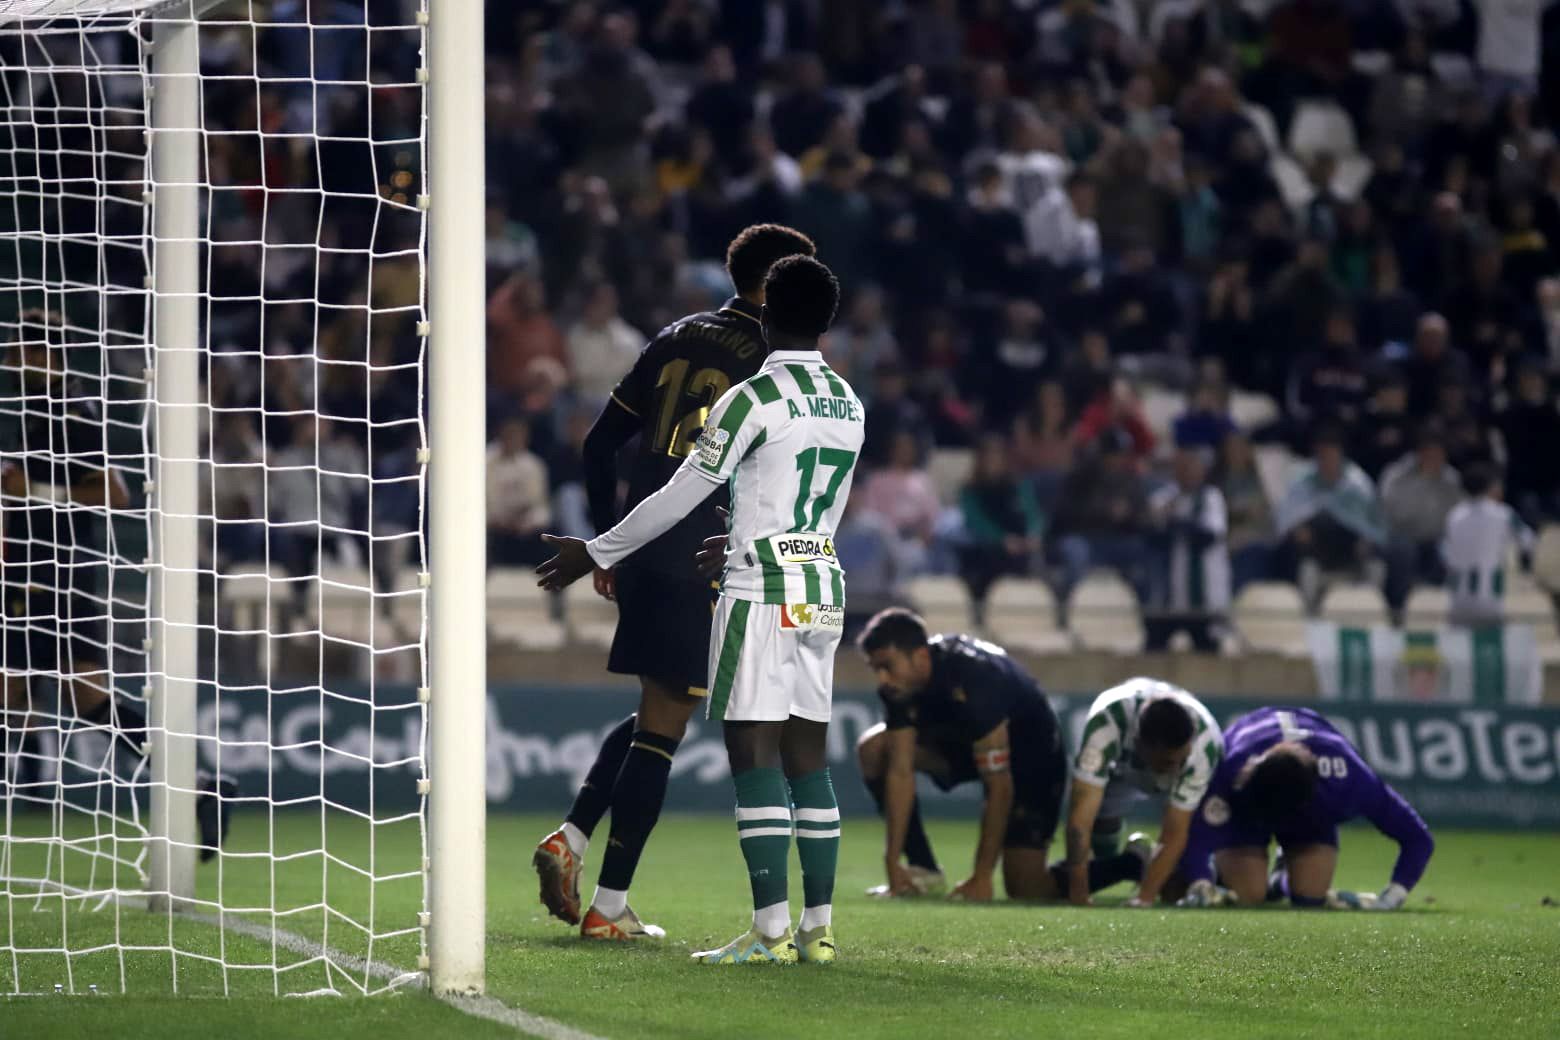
[(571, 564), (710, 560), (606, 583), (972, 890)]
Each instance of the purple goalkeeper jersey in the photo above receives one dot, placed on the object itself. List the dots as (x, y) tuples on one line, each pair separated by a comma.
[(1346, 788)]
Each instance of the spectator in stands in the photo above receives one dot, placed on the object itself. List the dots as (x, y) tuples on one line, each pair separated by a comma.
[(1141, 305), (721, 105), (857, 346), (607, 101), (1328, 386), (519, 507), (1385, 429), (1481, 535), (992, 245), (1014, 361), (803, 112), (1190, 529), (1432, 363), (873, 554), (317, 487), (602, 346), (1330, 520), (238, 489), (1206, 422), (1002, 522), (902, 493), (519, 331), (1088, 370), (1116, 408), (1530, 429), (1230, 330), (1483, 314), (1101, 514), (1417, 493), (1250, 537), (1467, 439), (836, 214), (890, 413), (1308, 300), (1043, 444), (1388, 312)]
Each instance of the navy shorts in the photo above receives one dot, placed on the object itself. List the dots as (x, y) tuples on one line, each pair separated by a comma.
[(1039, 785), (1293, 834), (663, 629)]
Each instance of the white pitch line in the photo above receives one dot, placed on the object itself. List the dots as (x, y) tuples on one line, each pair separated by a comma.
[(489, 1008)]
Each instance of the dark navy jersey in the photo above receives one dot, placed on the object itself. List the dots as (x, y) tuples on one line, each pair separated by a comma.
[(55, 433), (682, 373), (975, 687)]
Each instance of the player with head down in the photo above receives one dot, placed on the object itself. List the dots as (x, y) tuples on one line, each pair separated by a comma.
[(786, 441), (664, 606), (1144, 742), (1288, 774)]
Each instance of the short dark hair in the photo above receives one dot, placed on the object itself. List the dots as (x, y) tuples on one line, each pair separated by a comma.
[(1281, 785), (754, 251), (1478, 478), (895, 627), (1165, 723), (800, 297)]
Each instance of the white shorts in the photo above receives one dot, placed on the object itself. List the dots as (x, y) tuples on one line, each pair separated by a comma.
[(769, 662)]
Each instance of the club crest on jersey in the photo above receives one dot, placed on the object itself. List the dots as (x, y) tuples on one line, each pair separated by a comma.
[(805, 616), (803, 548), (1216, 811), (712, 446)]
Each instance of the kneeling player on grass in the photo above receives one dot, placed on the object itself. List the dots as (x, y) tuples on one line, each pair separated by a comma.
[(664, 607), (1146, 742), (1287, 774), (959, 709), (787, 441)]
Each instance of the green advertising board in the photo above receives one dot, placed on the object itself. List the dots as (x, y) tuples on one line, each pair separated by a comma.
[(1462, 765)]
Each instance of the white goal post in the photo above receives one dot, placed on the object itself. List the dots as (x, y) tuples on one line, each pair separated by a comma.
[(242, 419)]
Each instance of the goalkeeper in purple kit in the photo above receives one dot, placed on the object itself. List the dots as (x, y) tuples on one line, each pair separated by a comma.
[(1288, 774)]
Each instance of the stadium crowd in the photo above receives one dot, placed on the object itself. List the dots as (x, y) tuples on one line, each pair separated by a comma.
[(1112, 252)]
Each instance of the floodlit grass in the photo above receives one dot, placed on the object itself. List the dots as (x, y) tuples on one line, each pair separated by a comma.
[(1476, 952)]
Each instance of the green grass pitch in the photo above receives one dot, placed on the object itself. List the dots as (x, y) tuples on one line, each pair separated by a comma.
[(1477, 953)]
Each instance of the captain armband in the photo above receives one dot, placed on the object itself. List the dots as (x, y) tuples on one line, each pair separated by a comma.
[(993, 761)]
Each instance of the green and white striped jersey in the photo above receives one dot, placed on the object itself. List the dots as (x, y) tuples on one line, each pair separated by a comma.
[(787, 440), (1108, 752)]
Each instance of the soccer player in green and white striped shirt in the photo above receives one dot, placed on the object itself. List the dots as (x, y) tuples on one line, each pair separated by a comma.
[(786, 440), (1144, 740)]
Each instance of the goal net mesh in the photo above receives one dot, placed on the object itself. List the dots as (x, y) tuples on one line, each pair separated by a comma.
[(311, 578)]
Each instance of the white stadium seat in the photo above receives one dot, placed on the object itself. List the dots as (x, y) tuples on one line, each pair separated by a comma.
[(1321, 126), (1103, 613), (942, 601), (1427, 607), (1355, 604), (1546, 558), (1021, 615), (950, 470), (1270, 615), (521, 613), (588, 618)]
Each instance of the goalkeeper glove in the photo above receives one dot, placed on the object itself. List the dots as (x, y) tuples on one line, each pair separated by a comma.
[(1392, 897), (1205, 893)]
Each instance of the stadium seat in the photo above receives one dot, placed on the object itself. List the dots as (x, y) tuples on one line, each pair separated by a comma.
[(1250, 410), (950, 469), (1270, 615), (942, 601), (1276, 466), (1160, 409), (521, 613), (1267, 129), (1103, 613), (249, 602), (1427, 607), (1355, 604), (1546, 558), (346, 603), (588, 618), (1321, 126), (1293, 184), (1021, 615)]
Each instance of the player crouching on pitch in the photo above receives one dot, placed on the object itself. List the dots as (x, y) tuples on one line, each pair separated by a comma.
[(786, 440), (1144, 741), (1287, 774), (958, 709)]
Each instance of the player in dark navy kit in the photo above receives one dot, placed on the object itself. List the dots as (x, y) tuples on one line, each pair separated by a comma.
[(1288, 775), (664, 606), (960, 709), (55, 486)]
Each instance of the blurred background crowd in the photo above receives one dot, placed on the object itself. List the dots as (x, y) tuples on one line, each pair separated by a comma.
[(1200, 291)]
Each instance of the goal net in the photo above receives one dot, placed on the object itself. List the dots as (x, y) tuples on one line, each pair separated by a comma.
[(212, 336)]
